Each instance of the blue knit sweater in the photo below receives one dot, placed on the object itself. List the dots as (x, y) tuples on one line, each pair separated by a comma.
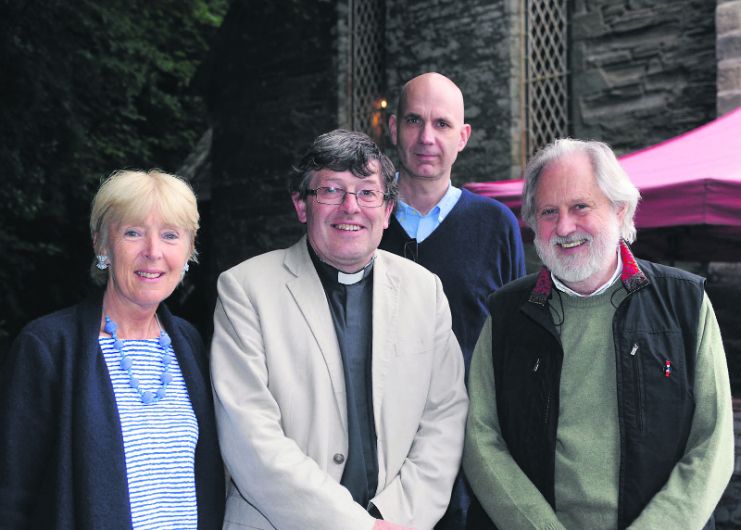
[(475, 250)]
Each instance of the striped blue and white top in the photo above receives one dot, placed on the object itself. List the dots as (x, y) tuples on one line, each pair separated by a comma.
[(159, 439)]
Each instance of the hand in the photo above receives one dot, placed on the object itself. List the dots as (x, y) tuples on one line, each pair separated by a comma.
[(386, 525)]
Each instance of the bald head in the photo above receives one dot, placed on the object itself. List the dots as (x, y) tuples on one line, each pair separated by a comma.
[(428, 130), (432, 83)]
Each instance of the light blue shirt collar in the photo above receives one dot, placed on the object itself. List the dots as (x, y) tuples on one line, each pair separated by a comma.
[(420, 226)]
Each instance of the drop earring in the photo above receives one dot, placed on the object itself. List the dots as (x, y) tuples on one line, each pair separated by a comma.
[(102, 263), (186, 267)]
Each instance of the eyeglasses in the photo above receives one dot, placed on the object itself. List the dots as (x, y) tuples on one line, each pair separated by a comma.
[(336, 195)]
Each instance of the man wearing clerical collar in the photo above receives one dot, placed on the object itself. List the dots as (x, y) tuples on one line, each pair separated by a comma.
[(338, 381), (599, 390)]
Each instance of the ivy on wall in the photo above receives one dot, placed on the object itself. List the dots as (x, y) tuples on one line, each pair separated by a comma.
[(86, 87)]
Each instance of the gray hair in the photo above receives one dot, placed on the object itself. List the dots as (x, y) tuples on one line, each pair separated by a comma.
[(611, 179), (342, 150)]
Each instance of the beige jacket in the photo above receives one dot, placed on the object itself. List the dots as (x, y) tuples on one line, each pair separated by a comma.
[(279, 394)]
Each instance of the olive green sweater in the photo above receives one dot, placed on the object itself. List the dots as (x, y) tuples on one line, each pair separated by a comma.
[(587, 446)]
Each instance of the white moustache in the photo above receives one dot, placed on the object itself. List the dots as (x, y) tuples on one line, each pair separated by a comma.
[(571, 240)]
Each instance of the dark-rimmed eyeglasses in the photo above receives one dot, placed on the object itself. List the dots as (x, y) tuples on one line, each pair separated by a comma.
[(336, 195)]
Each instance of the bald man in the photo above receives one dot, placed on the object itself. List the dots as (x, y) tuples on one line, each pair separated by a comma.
[(471, 242)]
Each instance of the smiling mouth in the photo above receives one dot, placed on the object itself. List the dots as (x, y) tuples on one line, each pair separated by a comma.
[(149, 275), (572, 244), (347, 227)]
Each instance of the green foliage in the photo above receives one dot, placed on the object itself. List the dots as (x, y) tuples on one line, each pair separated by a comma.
[(86, 87)]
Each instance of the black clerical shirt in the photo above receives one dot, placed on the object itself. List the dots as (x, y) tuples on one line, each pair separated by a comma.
[(350, 300)]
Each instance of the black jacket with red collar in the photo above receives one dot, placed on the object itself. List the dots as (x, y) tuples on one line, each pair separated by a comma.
[(655, 323)]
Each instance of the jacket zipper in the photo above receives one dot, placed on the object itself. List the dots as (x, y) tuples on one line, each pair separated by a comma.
[(637, 382), (548, 398)]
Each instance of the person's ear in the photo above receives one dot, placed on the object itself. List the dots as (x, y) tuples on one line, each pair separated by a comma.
[(387, 214), (299, 205), (465, 135)]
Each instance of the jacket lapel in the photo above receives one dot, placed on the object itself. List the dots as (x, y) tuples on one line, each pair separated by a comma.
[(307, 291), (97, 449), (385, 327), (190, 359)]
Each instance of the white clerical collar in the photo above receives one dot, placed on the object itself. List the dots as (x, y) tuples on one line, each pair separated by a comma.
[(565, 289), (349, 279), (328, 271), (354, 277)]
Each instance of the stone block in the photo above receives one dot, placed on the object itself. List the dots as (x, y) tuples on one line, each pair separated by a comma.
[(612, 10), (728, 46), (591, 82), (610, 58), (587, 25), (625, 75), (633, 90), (728, 17), (728, 101), (648, 51), (640, 4), (729, 75), (634, 20)]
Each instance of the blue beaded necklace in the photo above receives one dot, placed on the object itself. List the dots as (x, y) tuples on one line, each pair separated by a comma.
[(147, 396)]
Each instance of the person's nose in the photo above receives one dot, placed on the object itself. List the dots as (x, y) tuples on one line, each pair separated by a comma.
[(565, 225), (427, 134), (153, 246), (350, 202)]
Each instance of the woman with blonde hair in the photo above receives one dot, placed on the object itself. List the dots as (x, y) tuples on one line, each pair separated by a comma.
[(106, 414)]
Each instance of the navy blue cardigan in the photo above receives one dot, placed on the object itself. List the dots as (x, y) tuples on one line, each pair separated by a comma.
[(61, 449)]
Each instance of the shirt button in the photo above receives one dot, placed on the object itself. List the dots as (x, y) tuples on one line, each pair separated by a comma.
[(338, 458)]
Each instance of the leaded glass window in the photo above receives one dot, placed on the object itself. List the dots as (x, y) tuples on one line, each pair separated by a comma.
[(367, 79), (546, 72)]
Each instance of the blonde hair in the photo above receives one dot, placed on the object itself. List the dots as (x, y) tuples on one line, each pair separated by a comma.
[(131, 196)]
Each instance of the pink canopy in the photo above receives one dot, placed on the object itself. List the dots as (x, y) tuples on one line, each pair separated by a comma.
[(691, 193)]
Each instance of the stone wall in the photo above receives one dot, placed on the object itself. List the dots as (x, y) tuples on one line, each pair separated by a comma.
[(642, 70), (728, 48), (474, 44)]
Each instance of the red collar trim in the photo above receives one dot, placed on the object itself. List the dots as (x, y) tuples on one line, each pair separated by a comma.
[(632, 277)]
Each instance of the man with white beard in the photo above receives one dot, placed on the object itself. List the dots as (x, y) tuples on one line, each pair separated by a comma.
[(599, 390)]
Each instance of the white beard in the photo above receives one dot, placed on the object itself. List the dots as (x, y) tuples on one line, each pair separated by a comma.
[(573, 269)]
